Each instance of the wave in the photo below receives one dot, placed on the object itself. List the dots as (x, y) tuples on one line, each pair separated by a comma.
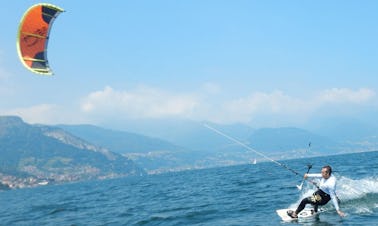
[(357, 196), (349, 189)]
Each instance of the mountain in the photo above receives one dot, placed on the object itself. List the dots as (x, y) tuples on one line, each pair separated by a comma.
[(75, 152), (288, 138), (199, 147), (327, 135), (205, 145), (192, 135), (153, 154), (40, 152), (120, 141), (290, 142), (347, 129)]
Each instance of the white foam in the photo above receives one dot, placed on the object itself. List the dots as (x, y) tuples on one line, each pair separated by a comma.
[(348, 189), (363, 210)]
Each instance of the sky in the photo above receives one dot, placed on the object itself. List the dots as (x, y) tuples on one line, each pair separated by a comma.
[(260, 63)]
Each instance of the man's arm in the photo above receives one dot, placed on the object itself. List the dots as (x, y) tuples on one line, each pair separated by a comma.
[(312, 175), (331, 186), (336, 204)]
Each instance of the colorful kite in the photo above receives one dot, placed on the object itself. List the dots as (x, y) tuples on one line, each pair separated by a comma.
[(33, 35)]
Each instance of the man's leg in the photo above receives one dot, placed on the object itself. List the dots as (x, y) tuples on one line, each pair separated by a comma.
[(302, 205)]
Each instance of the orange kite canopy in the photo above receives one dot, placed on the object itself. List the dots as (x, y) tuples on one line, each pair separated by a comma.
[(33, 35)]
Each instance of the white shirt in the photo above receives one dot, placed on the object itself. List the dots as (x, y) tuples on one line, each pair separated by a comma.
[(328, 186)]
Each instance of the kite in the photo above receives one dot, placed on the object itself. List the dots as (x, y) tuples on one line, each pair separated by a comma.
[(33, 36)]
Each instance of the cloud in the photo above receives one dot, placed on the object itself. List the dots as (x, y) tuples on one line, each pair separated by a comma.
[(276, 105), (245, 109), (274, 108), (147, 102), (34, 114), (343, 95), (143, 102), (47, 114)]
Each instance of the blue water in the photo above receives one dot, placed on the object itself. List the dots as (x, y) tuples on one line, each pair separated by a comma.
[(237, 195)]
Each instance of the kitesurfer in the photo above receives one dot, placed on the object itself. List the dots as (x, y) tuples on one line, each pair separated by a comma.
[(326, 191)]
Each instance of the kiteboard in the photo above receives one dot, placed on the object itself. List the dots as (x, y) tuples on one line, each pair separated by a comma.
[(304, 214)]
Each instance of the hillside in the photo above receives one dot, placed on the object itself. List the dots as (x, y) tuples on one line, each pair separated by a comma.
[(120, 141), (76, 152), (153, 154), (200, 147), (38, 152)]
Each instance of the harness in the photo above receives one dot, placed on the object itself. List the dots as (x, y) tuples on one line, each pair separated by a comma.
[(320, 197)]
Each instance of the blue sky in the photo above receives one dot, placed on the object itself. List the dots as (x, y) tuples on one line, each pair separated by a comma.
[(263, 63)]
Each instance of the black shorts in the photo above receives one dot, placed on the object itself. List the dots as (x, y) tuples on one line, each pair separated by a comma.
[(319, 198)]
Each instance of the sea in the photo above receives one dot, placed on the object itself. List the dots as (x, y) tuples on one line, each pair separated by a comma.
[(246, 194)]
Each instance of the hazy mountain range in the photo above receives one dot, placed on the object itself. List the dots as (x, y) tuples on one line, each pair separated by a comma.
[(39, 152), (173, 145), (79, 152)]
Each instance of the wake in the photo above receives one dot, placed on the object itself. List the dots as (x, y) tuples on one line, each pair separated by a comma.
[(356, 196), (348, 189)]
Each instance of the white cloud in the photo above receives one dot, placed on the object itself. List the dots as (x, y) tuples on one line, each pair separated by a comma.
[(47, 114), (343, 95), (259, 108), (259, 103), (35, 114), (147, 102), (143, 102), (279, 105)]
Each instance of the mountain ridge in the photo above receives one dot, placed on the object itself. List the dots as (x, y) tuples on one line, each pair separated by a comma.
[(38, 152), (80, 152)]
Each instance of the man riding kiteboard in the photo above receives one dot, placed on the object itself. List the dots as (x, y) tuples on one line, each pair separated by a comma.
[(326, 191)]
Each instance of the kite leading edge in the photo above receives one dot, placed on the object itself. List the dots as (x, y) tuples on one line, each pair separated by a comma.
[(33, 35)]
